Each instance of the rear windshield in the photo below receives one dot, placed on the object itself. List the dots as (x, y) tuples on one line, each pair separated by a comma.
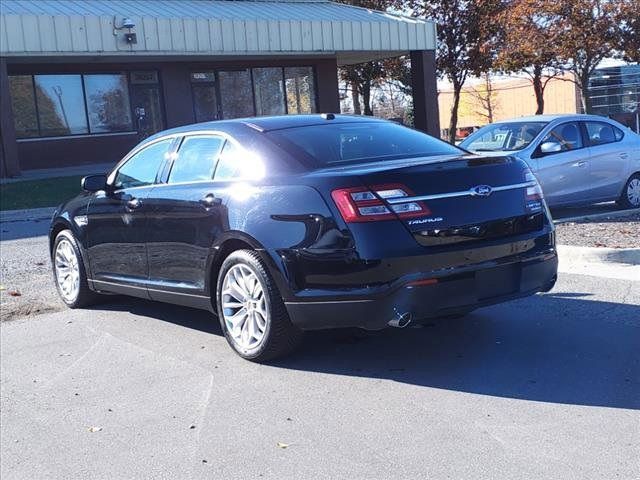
[(353, 143)]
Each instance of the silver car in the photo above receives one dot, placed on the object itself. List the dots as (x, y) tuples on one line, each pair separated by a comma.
[(578, 159)]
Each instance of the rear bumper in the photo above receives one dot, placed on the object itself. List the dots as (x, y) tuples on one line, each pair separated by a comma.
[(456, 290)]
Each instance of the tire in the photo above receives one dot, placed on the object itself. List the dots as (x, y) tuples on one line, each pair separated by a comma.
[(630, 196), (66, 251), (262, 329)]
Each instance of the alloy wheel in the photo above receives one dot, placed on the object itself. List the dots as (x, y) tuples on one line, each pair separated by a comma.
[(244, 307), (633, 192), (67, 270)]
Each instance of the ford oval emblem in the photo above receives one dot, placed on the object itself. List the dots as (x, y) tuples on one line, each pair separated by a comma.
[(482, 190)]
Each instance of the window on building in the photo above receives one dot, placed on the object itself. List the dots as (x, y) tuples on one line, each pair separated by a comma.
[(256, 91), (268, 87), (60, 102), (108, 104), (300, 90), (23, 104), (205, 103), (236, 93), (70, 104), (141, 169), (196, 159)]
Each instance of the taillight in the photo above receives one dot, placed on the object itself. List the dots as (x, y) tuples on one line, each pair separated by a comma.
[(533, 195), (360, 204)]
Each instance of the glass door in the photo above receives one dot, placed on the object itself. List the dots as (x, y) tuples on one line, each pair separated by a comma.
[(146, 100)]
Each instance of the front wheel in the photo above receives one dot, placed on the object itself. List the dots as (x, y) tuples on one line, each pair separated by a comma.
[(251, 311), (69, 272), (630, 197)]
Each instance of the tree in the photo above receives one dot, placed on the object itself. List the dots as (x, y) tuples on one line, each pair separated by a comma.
[(630, 31), (465, 31), (485, 99), (527, 43), (588, 32), (364, 77)]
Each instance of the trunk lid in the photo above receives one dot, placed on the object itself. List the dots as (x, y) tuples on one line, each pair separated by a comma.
[(463, 199)]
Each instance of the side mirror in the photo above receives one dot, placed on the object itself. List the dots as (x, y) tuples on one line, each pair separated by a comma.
[(94, 183), (550, 147)]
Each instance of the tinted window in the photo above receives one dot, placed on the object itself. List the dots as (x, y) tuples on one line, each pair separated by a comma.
[(141, 169), (229, 163), (236, 93), (61, 107), (601, 133), (566, 135), (329, 144), (196, 159), (503, 136), (268, 87), (300, 90), (108, 103), (23, 104)]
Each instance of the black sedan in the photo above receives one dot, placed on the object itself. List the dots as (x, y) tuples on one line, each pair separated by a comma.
[(285, 224)]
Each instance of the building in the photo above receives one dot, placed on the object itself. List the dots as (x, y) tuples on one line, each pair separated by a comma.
[(83, 81), (614, 93), (507, 99)]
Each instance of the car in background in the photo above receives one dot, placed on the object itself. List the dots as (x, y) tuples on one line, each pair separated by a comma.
[(303, 222), (578, 159)]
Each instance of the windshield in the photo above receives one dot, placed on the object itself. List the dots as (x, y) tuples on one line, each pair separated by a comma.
[(500, 137), (353, 143)]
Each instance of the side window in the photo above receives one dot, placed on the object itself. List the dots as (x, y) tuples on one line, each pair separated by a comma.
[(196, 159), (229, 164), (601, 133), (563, 138), (141, 169)]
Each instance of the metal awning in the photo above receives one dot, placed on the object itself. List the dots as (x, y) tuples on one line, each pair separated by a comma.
[(211, 28)]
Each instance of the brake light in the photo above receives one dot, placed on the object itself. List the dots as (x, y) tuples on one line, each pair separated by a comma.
[(360, 204), (533, 195)]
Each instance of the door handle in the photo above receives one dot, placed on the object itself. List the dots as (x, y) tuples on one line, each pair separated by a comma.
[(581, 163), (624, 156), (133, 203), (210, 200)]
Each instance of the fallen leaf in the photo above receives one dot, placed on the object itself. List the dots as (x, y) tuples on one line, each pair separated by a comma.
[(39, 264), (192, 426), (14, 293), (282, 445), (95, 429)]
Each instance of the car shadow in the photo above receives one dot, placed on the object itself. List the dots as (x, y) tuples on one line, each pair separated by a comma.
[(558, 348)]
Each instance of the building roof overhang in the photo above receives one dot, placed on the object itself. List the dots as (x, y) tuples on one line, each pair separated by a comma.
[(214, 29)]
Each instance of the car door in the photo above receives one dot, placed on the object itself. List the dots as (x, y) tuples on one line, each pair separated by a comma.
[(608, 159), (116, 222), (562, 160), (186, 216)]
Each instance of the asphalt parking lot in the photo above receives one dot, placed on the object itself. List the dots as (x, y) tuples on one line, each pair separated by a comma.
[(545, 387)]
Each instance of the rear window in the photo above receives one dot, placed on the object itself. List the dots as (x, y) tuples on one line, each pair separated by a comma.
[(353, 143)]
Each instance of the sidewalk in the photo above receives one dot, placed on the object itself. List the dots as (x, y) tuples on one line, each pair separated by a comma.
[(44, 173)]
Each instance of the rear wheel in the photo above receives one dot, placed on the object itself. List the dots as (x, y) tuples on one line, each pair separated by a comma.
[(69, 272), (251, 311), (630, 197)]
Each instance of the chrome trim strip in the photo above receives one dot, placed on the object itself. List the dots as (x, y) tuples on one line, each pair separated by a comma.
[(329, 301), (464, 193), (127, 285)]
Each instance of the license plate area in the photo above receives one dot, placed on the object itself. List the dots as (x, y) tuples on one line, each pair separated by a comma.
[(497, 282)]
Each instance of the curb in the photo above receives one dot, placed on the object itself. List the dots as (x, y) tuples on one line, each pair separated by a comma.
[(598, 216), (588, 255), (26, 215)]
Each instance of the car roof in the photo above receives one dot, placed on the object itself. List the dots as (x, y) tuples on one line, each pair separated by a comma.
[(264, 124), (553, 117)]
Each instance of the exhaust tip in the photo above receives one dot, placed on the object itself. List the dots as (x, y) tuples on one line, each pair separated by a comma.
[(401, 320)]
